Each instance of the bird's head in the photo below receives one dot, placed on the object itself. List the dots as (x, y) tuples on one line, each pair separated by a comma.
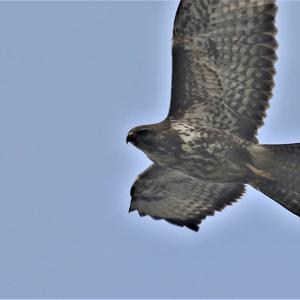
[(141, 136), (155, 140)]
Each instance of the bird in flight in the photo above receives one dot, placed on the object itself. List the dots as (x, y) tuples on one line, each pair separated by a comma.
[(206, 150)]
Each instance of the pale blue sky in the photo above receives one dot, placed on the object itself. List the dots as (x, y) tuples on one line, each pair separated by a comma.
[(74, 78)]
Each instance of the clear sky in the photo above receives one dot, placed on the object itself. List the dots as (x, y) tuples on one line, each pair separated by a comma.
[(74, 78)]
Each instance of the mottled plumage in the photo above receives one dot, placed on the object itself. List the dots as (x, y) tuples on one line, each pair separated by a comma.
[(223, 63), (186, 200), (206, 150)]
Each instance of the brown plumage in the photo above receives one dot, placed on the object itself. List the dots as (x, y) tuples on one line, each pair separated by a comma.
[(206, 150)]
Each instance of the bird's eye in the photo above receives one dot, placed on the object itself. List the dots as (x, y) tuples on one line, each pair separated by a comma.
[(143, 132)]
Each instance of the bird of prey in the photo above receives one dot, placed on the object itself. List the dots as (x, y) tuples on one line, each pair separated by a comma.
[(206, 150)]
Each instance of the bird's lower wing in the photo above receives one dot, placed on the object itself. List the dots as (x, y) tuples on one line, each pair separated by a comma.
[(164, 193)]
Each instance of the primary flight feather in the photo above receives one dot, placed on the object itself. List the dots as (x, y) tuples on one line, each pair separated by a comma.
[(206, 150)]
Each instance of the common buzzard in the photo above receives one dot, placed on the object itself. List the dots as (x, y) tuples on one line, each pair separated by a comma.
[(206, 150)]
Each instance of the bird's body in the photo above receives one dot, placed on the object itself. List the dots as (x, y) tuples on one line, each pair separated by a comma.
[(212, 154), (206, 150), (204, 153)]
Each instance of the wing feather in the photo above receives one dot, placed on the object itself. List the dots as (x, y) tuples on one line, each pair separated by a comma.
[(223, 63), (168, 194)]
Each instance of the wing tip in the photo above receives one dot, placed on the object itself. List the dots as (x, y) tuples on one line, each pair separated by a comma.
[(130, 209), (190, 225), (194, 227)]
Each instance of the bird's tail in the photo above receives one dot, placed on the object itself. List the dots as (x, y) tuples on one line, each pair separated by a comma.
[(277, 173)]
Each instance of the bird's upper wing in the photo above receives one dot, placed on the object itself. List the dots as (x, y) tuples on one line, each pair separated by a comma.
[(223, 63), (168, 194)]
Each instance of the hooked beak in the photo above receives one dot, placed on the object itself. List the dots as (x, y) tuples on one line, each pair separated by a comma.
[(130, 137)]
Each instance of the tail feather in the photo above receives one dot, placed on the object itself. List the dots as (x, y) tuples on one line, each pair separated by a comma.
[(282, 163)]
